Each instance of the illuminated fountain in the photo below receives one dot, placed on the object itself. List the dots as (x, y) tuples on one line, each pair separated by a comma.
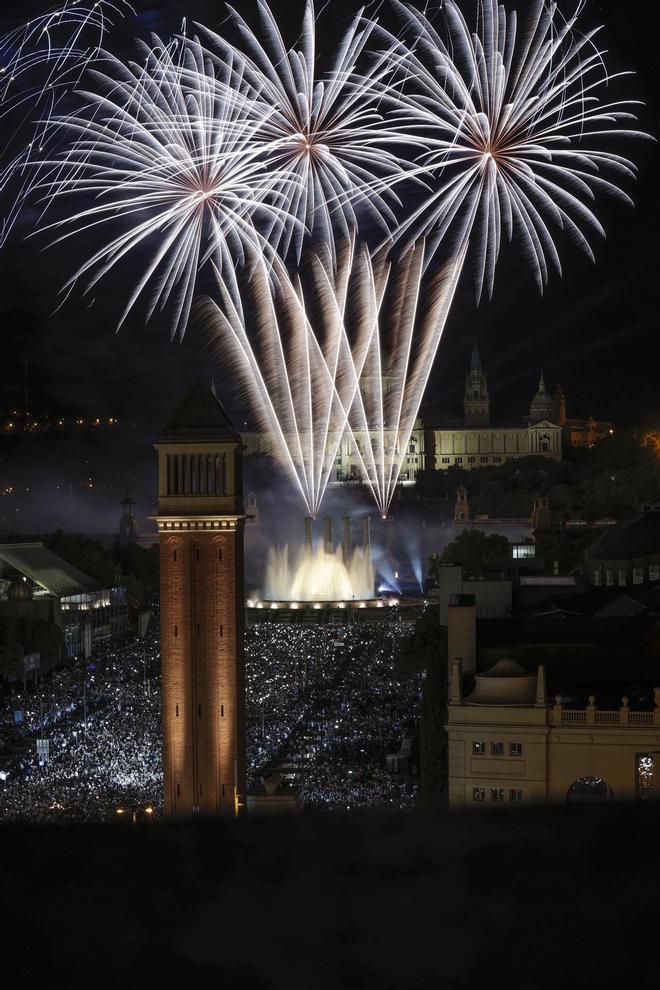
[(324, 573)]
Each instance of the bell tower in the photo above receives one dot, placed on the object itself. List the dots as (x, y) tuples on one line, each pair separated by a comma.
[(476, 402), (200, 524)]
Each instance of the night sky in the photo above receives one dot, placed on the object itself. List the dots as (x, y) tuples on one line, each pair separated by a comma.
[(594, 330)]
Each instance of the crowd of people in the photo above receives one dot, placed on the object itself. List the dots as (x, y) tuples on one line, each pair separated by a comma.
[(322, 702)]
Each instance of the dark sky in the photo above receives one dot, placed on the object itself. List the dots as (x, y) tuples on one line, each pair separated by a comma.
[(594, 330)]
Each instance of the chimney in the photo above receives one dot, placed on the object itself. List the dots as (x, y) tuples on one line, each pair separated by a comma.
[(327, 535), (346, 543), (308, 533), (462, 633)]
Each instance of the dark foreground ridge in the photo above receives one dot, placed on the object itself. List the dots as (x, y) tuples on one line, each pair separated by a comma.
[(535, 898)]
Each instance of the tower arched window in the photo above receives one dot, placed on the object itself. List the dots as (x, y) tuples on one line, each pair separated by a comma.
[(545, 443)]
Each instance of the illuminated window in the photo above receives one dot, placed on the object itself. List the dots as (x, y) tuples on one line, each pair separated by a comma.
[(654, 572), (497, 793), (515, 749), (645, 776), (598, 578), (622, 577), (497, 749), (479, 748), (478, 793), (515, 794), (524, 551), (609, 578), (638, 575)]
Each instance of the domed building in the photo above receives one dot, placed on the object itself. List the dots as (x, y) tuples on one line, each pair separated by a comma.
[(542, 406), (468, 442)]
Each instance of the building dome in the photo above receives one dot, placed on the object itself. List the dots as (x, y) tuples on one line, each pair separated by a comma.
[(543, 405), (19, 590), (507, 683)]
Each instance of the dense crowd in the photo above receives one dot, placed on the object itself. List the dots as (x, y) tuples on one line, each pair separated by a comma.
[(323, 706)]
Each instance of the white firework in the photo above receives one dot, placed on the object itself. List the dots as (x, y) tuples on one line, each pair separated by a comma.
[(313, 358), (517, 118), (40, 62), (167, 152), (338, 133)]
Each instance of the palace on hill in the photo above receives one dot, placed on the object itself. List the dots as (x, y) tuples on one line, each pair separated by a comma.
[(545, 430)]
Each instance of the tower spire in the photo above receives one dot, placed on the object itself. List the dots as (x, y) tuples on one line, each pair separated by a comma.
[(476, 403)]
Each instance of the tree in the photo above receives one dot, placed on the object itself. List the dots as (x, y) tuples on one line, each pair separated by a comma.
[(473, 549)]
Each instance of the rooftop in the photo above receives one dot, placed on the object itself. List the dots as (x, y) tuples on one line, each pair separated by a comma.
[(200, 417), (45, 569), (638, 536)]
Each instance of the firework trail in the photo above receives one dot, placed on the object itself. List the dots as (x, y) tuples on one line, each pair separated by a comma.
[(517, 121), (336, 134), (40, 62), (514, 120), (168, 150), (311, 358)]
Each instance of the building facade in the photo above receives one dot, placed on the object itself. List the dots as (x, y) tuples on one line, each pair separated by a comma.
[(200, 523), (626, 554), (471, 442), (509, 744)]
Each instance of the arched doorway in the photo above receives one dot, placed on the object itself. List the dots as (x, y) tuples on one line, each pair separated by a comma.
[(588, 790)]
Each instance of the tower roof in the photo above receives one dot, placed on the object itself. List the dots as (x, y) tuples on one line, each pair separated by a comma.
[(200, 417), (475, 360)]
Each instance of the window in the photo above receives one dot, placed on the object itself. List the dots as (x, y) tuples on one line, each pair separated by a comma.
[(515, 794), (177, 711), (220, 554), (497, 460), (654, 572), (222, 630), (479, 748), (545, 444), (622, 577), (478, 793), (638, 575), (609, 578), (174, 556), (445, 460), (222, 711), (598, 578), (523, 551), (497, 749), (484, 460), (471, 460), (497, 793), (459, 460), (176, 631), (515, 749)]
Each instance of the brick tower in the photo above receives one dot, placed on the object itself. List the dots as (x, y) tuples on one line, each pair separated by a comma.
[(200, 524)]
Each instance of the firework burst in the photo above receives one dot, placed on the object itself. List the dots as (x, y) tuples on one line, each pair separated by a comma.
[(169, 151), (517, 121), (40, 62), (334, 135)]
